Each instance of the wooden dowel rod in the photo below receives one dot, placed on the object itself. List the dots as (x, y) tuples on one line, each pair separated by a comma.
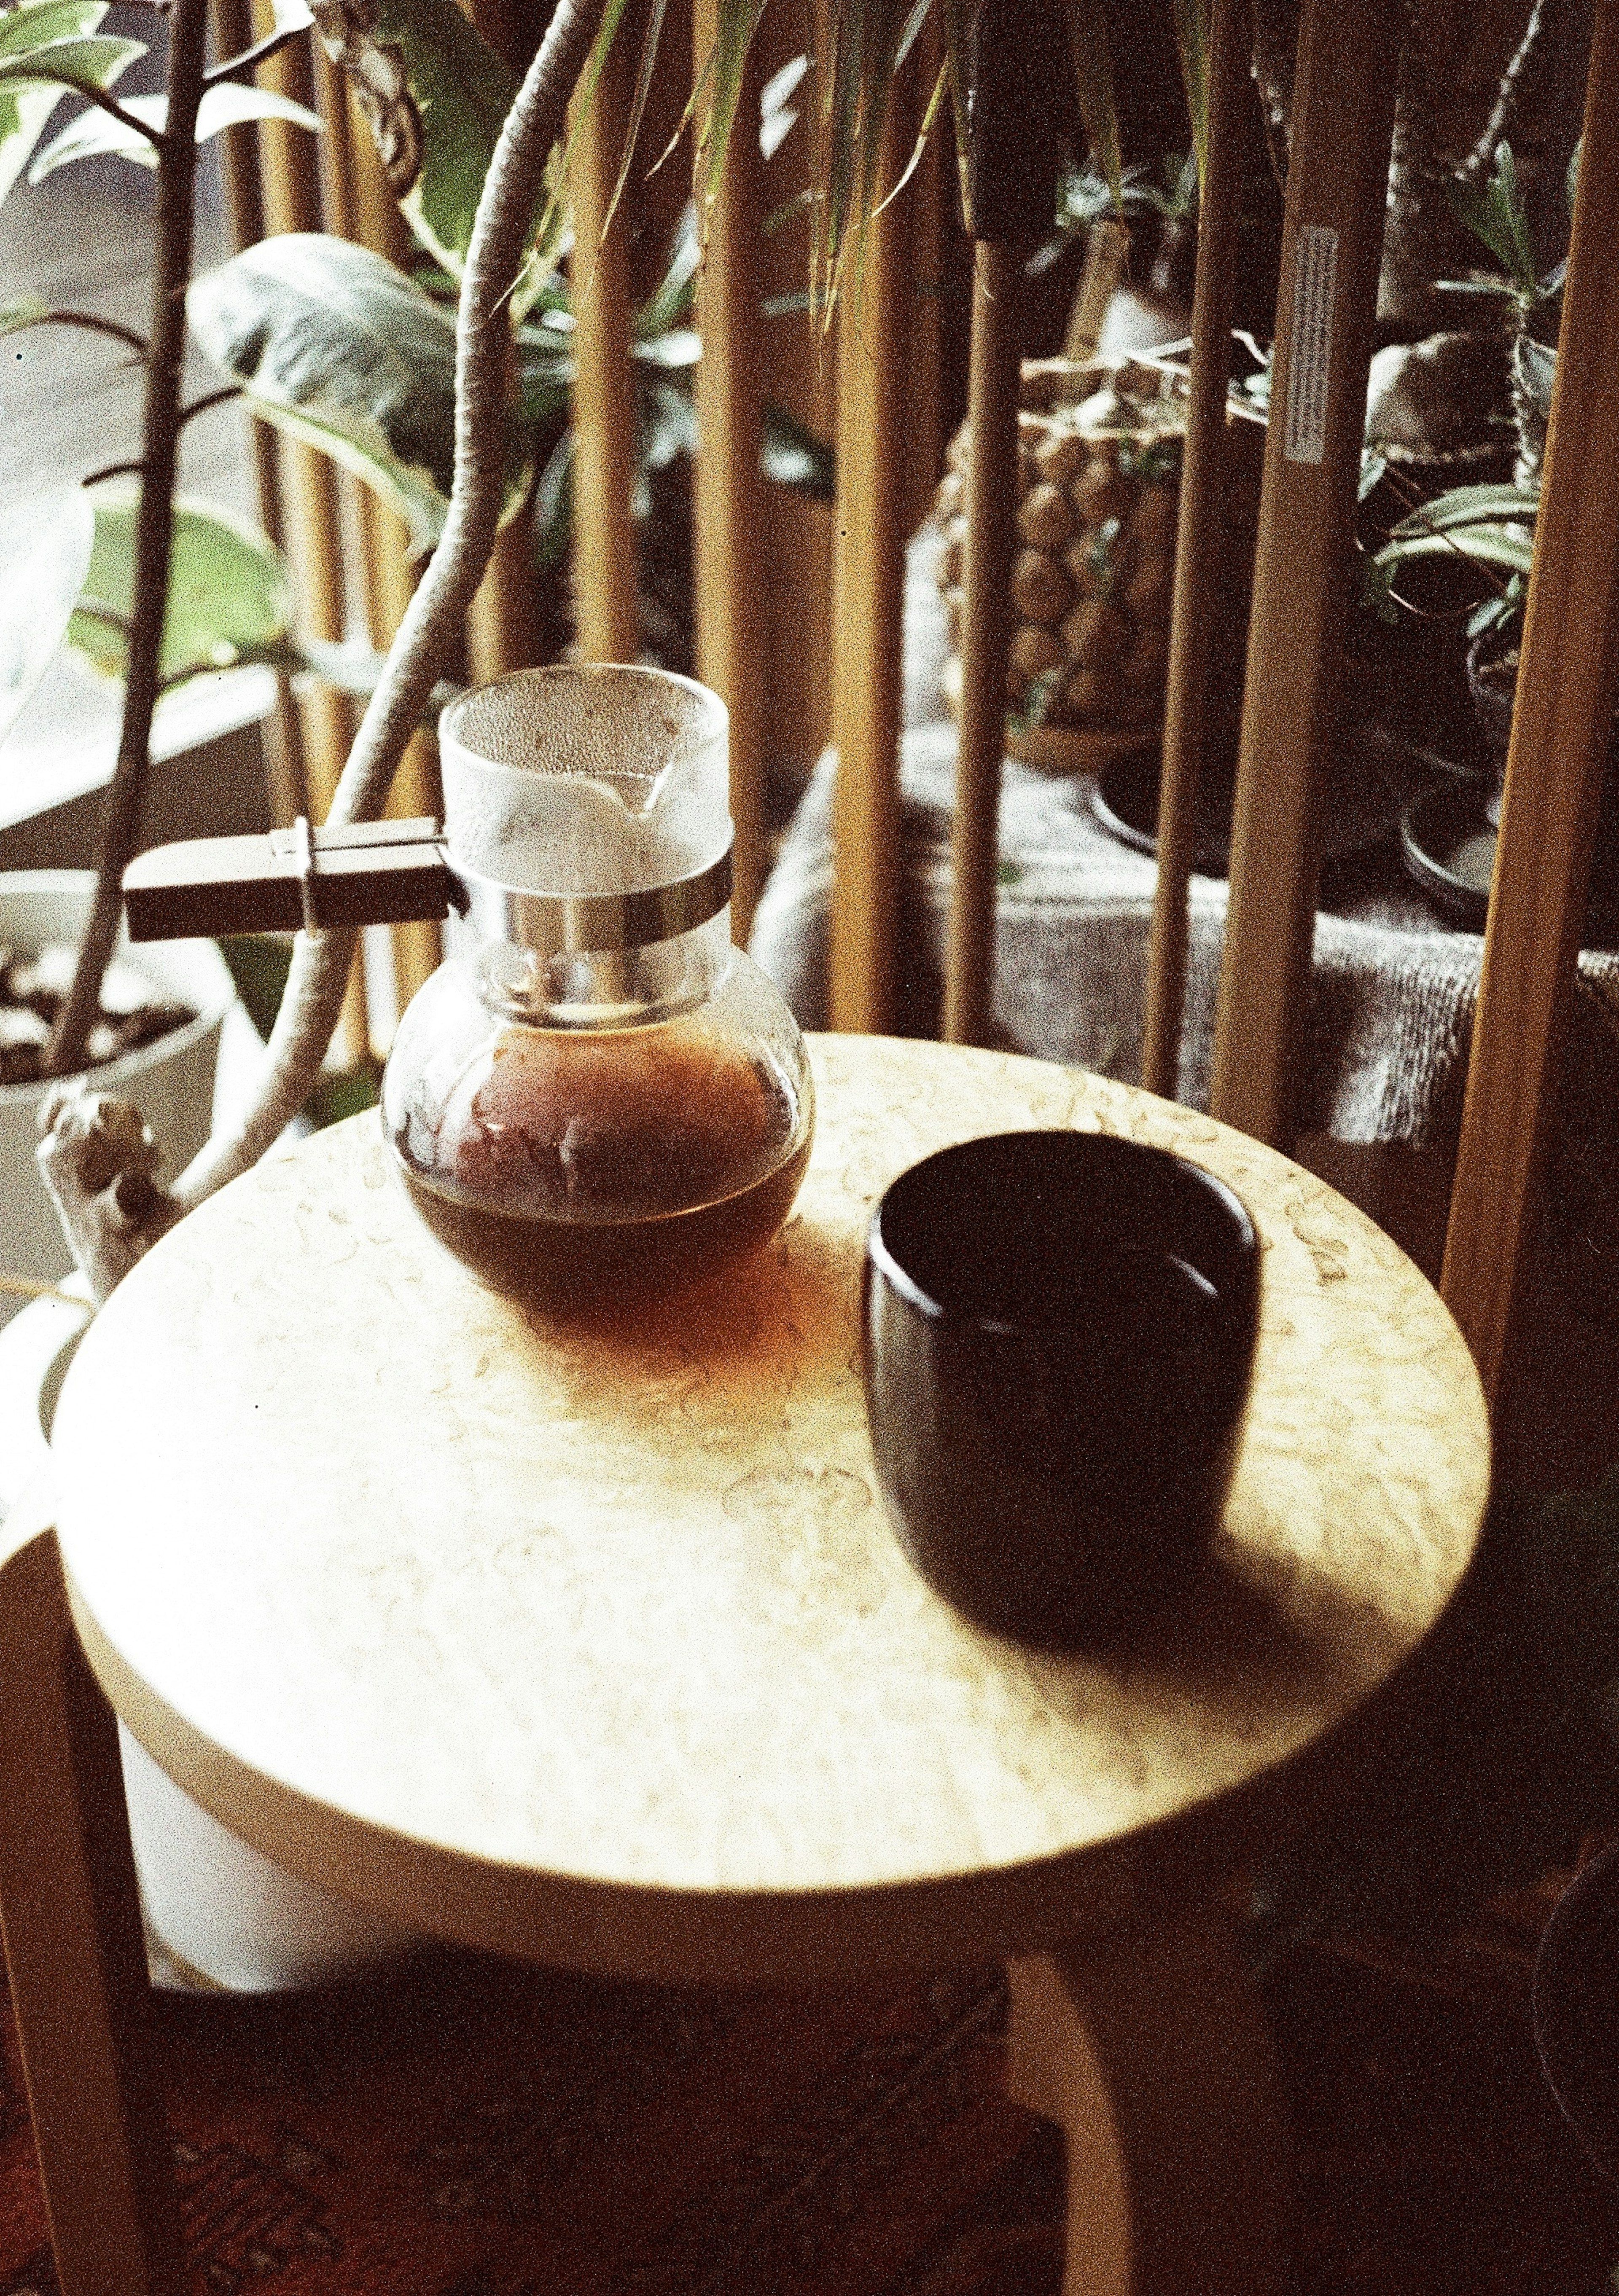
[(74, 1953), (1568, 673), (1331, 246), (1201, 579), (729, 578), (872, 521), (291, 177), (282, 731), (603, 387), (995, 375)]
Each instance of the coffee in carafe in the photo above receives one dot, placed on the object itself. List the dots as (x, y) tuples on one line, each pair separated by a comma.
[(597, 1096)]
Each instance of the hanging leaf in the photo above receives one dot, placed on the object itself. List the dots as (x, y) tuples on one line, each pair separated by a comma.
[(95, 133), (228, 600), (81, 65), (554, 504), (45, 556), (1494, 213), (27, 311), (1536, 366), (671, 300), (335, 346), (25, 113), (790, 455), (1462, 506), (435, 96), (1092, 58)]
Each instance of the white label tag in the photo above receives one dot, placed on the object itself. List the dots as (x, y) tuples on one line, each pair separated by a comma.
[(1315, 273)]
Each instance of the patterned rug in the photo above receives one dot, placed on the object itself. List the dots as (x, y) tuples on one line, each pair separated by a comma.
[(475, 2129)]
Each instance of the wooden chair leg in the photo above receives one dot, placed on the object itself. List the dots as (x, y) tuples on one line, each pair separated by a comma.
[(69, 1913), (1149, 2050)]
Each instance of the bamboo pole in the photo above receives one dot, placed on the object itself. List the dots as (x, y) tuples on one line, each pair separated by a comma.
[(604, 388), (501, 625), (311, 496), (728, 580), (1016, 70), (993, 384), (1567, 672), (1200, 579), (1331, 247), (284, 773), (872, 521)]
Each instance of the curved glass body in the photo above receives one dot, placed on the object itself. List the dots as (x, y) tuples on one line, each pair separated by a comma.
[(576, 1127)]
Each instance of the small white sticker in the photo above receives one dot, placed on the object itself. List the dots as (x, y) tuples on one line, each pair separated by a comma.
[(1315, 273)]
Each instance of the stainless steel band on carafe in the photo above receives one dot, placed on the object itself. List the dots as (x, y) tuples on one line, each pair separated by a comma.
[(552, 925)]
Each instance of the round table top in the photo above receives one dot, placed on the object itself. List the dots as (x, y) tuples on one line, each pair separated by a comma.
[(592, 1640)]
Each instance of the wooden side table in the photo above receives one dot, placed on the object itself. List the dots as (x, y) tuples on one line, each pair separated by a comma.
[(589, 1641)]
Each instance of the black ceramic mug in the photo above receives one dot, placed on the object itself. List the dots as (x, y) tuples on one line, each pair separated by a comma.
[(1058, 1333)]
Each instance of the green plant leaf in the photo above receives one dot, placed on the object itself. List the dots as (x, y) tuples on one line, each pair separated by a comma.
[(672, 298), (1468, 506), (681, 347), (228, 600), (44, 555), (87, 63), (1536, 366), (27, 311), (790, 455), (95, 133), (1494, 214), (25, 113), (668, 421), (1094, 83), (336, 346), (1490, 544), (554, 504), (435, 96)]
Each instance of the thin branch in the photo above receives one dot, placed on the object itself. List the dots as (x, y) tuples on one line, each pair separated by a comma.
[(113, 470), (432, 621), (153, 530), (156, 137), (213, 398), (97, 325), (242, 66)]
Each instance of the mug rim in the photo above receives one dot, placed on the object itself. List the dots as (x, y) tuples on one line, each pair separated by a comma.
[(880, 1257)]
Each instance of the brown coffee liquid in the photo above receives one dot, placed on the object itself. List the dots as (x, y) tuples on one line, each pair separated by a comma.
[(571, 1166)]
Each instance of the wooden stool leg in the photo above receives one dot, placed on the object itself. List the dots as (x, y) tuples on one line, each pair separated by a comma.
[(1149, 2049), (74, 1953)]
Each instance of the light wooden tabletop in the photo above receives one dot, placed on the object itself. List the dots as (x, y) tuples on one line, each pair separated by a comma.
[(593, 1641)]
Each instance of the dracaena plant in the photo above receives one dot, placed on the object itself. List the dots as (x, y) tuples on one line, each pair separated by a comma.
[(1490, 527)]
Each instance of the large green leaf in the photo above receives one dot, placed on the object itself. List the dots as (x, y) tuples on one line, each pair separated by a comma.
[(435, 96), (1464, 506), (1494, 213), (44, 555), (1494, 544), (92, 63), (229, 105), (25, 112), (227, 592), (335, 346)]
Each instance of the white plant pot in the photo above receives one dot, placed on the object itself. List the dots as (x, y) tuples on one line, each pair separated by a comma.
[(171, 1082), (217, 1914)]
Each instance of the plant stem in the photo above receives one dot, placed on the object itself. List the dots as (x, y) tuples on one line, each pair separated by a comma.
[(433, 620), (154, 527)]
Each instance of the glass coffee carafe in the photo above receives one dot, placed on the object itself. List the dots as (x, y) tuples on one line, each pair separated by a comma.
[(596, 1093)]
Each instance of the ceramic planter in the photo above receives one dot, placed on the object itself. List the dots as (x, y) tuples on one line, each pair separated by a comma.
[(171, 1081)]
